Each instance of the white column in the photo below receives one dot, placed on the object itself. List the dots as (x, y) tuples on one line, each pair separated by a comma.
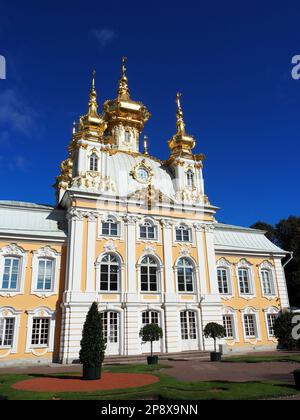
[(82, 159), (90, 252), (75, 251), (201, 259), (130, 223), (211, 258), (170, 293), (281, 284)]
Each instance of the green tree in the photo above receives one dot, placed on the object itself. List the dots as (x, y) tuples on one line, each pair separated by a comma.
[(283, 327), (269, 229), (286, 235), (214, 331), (92, 344), (150, 333)]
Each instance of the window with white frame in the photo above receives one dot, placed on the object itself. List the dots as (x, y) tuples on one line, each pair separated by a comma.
[(7, 329), (109, 273), (40, 332), (110, 227), (223, 281), (149, 275), (271, 321), (228, 323), (11, 273), (190, 178), (244, 281), (148, 230), (150, 317), (127, 136), (267, 282), (45, 275), (94, 163), (183, 234), (250, 326), (185, 275)]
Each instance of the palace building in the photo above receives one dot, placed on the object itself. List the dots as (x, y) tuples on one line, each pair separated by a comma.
[(139, 236)]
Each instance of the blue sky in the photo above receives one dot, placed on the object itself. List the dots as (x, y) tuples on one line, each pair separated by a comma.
[(231, 61)]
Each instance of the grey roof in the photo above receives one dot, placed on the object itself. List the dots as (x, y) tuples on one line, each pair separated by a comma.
[(30, 219), (236, 238)]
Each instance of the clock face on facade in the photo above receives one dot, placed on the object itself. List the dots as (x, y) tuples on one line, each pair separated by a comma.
[(143, 175)]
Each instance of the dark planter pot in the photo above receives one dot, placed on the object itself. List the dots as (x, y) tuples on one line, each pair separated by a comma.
[(152, 360), (297, 378), (215, 357), (91, 373)]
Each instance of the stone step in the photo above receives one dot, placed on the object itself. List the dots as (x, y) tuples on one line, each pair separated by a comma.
[(182, 356)]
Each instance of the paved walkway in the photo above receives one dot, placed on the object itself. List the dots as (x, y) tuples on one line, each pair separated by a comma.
[(232, 372)]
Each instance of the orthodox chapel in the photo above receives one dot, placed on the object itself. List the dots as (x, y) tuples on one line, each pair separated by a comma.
[(139, 236)]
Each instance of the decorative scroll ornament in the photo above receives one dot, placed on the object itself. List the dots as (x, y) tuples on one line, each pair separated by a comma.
[(110, 246), (185, 251), (94, 181), (149, 249)]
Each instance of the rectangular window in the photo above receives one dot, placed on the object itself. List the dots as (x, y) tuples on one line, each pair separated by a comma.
[(223, 281), (45, 275), (250, 326), (183, 235), (40, 331), (109, 229), (271, 320), (10, 279), (7, 327), (228, 326), (147, 232), (267, 282), (244, 281)]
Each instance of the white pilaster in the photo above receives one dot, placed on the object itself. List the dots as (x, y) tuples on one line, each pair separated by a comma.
[(90, 254), (211, 258), (168, 260), (75, 251), (201, 259), (281, 284), (130, 223)]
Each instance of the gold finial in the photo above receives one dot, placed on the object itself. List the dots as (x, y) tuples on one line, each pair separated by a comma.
[(146, 145), (74, 127), (123, 91), (93, 106), (179, 116)]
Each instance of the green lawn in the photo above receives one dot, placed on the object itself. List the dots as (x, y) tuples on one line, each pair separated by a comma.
[(168, 388), (261, 359)]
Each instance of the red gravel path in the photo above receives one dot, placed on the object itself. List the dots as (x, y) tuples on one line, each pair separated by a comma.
[(72, 384)]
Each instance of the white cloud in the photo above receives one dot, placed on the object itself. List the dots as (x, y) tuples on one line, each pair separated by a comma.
[(15, 115), (104, 36)]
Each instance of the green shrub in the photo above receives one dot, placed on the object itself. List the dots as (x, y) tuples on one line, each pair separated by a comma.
[(150, 333), (283, 327), (214, 331), (92, 344)]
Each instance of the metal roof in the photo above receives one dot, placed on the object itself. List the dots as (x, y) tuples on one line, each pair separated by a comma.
[(31, 219), (230, 238)]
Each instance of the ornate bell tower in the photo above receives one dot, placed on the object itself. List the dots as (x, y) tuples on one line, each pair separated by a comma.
[(125, 118), (186, 166)]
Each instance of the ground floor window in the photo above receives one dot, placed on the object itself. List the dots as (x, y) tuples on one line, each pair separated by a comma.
[(188, 325), (40, 331), (250, 326), (271, 320), (228, 326), (110, 326), (7, 326), (150, 317)]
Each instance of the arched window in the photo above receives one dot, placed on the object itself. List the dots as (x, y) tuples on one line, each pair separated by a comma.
[(149, 275), (11, 273), (110, 227), (127, 136), (147, 230), (190, 178), (267, 282), (183, 234), (94, 163), (109, 273), (45, 275), (185, 275)]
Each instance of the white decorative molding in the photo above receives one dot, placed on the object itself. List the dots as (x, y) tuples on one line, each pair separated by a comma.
[(110, 246), (51, 254), (9, 312), (13, 250), (185, 251), (272, 310), (40, 312), (233, 313), (244, 264), (223, 263), (149, 249), (251, 311), (266, 265)]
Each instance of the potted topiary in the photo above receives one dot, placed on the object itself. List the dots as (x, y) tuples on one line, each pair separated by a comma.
[(297, 378), (150, 333), (214, 331), (92, 345)]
